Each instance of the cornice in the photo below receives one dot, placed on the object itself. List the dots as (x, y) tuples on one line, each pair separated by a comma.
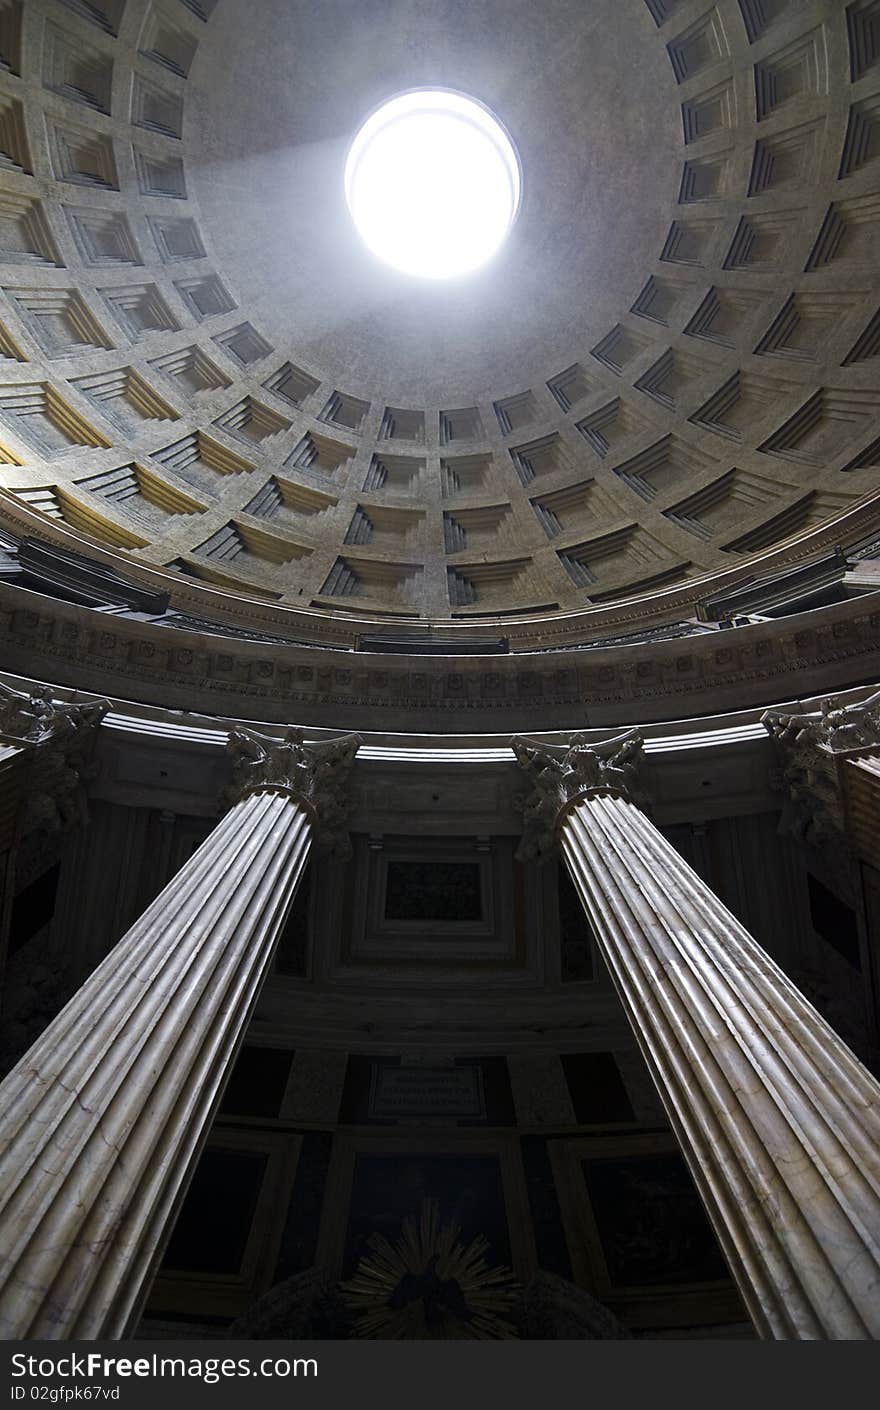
[(828, 649)]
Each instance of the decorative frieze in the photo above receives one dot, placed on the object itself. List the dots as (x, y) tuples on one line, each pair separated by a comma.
[(222, 674)]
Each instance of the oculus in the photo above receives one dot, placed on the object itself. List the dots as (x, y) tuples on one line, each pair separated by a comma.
[(432, 182)]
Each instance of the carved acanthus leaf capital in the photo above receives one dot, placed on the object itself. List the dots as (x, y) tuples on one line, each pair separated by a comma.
[(808, 746), (315, 774), (586, 770), (62, 735), (834, 727)]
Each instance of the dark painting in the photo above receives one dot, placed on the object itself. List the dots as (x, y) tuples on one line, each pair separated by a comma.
[(33, 908), (547, 1225), (386, 1189), (258, 1082), (575, 931), (447, 891), (652, 1226), (299, 1241), (212, 1229), (596, 1088), (291, 955)]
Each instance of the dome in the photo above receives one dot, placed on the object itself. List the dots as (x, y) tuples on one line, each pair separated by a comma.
[(662, 386)]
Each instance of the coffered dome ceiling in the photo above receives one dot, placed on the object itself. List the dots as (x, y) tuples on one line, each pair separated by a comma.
[(671, 367)]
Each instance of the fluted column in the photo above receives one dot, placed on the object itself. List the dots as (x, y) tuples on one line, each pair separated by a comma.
[(102, 1120), (778, 1121)]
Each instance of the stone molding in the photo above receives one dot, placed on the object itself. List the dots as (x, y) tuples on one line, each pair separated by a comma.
[(315, 775), (829, 648), (611, 770)]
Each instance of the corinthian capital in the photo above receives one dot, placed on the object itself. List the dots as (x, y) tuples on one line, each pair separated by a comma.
[(62, 736), (832, 727), (808, 747), (608, 769), (315, 775)]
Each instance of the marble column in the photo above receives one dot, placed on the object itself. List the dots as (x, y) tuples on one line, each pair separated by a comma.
[(102, 1120), (778, 1121)]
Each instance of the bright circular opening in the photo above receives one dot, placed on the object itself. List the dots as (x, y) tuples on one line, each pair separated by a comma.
[(432, 181)]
